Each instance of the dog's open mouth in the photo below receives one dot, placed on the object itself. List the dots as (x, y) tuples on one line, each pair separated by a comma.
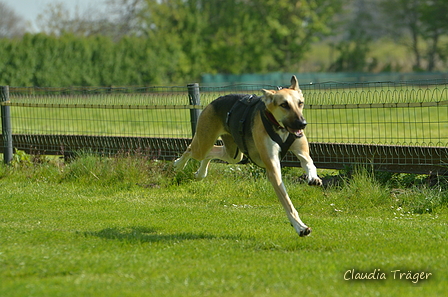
[(297, 133)]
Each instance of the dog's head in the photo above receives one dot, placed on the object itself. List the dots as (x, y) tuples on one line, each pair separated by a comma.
[(286, 105)]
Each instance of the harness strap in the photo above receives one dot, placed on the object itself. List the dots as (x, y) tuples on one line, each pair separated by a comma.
[(248, 101), (284, 146), (241, 128), (272, 119)]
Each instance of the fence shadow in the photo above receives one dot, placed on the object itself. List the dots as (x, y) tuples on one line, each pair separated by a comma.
[(139, 234)]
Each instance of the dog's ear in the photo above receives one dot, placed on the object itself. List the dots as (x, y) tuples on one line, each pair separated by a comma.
[(268, 95), (294, 83)]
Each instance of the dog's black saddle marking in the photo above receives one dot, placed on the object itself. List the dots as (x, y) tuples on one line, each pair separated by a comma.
[(240, 121)]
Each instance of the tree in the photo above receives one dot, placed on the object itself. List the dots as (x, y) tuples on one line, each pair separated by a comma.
[(425, 22), (121, 19), (403, 17), (11, 25), (57, 20), (238, 36), (359, 24), (294, 25), (434, 20), (173, 30), (125, 16)]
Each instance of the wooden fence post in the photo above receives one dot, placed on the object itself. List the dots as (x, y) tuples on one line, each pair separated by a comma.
[(6, 124), (195, 99)]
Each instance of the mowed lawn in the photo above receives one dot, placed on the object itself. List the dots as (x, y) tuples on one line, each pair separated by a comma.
[(89, 229)]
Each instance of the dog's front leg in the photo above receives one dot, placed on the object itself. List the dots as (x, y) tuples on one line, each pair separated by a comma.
[(273, 171), (301, 149)]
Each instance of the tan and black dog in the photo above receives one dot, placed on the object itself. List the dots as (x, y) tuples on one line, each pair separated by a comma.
[(262, 128)]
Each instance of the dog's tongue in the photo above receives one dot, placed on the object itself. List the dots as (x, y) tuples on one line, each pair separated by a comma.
[(297, 133)]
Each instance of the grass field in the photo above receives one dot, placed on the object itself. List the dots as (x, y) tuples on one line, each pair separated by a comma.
[(132, 227)]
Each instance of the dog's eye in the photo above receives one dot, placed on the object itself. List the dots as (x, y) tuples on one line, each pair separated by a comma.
[(301, 104), (285, 105)]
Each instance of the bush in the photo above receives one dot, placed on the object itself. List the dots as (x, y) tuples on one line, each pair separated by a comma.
[(43, 60)]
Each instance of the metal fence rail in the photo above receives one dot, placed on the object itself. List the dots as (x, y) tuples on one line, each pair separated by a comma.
[(399, 127), (392, 158)]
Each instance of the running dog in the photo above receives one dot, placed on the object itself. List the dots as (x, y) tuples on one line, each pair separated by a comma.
[(261, 128)]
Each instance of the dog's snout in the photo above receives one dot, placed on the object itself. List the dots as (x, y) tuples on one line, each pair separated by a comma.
[(300, 123)]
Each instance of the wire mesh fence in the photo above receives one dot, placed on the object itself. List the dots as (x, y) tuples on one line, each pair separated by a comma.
[(136, 112), (409, 113), (379, 123)]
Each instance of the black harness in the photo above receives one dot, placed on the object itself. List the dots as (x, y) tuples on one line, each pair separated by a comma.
[(240, 121), (284, 146)]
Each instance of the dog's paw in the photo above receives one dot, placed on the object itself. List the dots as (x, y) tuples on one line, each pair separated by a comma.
[(179, 164), (315, 182), (305, 232), (200, 175)]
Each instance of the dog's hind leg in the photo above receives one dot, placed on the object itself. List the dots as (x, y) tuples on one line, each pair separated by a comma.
[(202, 147), (198, 153), (181, 162), (229, 153)]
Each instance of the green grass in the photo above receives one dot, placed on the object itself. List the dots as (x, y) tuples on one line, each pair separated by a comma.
[(132, 227)]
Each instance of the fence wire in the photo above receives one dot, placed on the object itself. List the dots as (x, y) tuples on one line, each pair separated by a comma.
[(379, 113), (157, 119), (132, 112)]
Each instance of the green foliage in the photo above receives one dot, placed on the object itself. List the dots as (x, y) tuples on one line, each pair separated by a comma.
[(178, 41), (20, 158), (3, 170), (122, 171), (426, 23), (42, 60), (420, 193), (409, 194), (235, 36), (352, 57), (362, 191)]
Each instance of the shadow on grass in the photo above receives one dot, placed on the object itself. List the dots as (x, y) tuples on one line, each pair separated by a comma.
[(140, 234), (145, 234)]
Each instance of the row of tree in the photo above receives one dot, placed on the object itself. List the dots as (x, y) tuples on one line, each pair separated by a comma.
[(69, 60), (174, 41)]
